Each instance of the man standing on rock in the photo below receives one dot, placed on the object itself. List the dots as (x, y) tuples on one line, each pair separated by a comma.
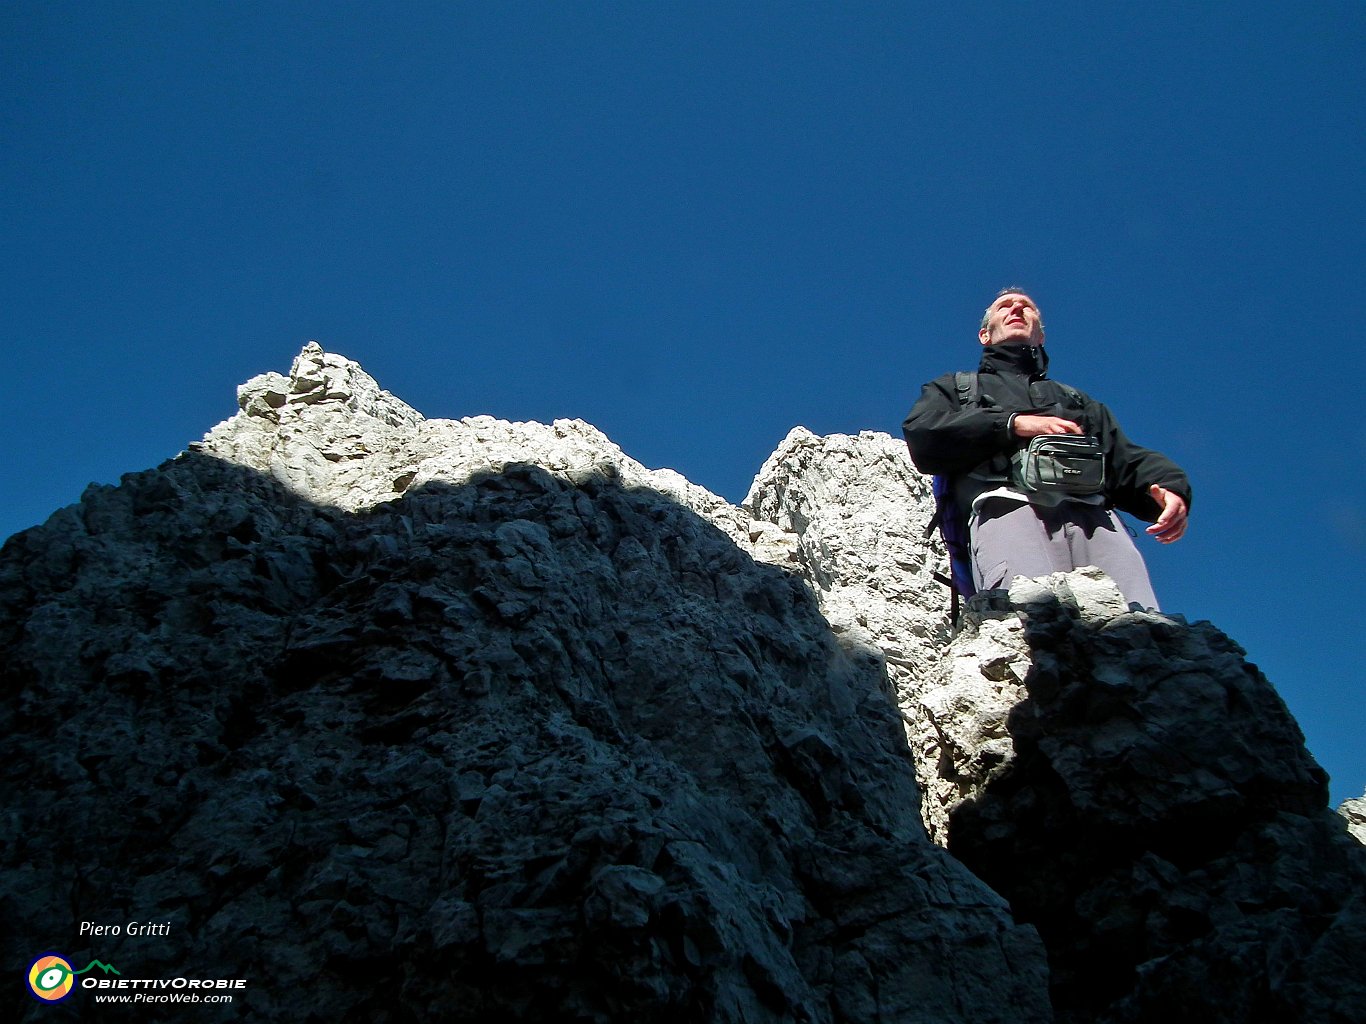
[(1038, 467)]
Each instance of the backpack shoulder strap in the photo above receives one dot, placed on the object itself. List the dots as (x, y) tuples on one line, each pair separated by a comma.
[(967, 387), (948, 518)]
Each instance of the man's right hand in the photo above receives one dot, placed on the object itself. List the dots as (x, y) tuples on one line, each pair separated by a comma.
[(1035, 426)]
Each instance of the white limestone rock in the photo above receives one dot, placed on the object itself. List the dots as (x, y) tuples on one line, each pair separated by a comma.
[(850, 513), (338, 651), (471, 720), (333, 436), (1355, 813), (1128, 781)]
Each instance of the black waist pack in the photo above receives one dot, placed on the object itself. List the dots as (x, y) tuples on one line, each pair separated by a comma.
[(1060, 464)]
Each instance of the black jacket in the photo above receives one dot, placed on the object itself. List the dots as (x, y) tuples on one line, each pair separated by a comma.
[(955, 440)]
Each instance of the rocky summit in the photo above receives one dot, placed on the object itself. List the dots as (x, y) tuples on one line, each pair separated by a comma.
[(386, 718)]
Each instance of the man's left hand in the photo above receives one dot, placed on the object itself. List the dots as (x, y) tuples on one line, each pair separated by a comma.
[(1171, 524)]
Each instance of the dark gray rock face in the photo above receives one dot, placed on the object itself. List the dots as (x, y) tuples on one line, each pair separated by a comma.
[(1133, 786), (1162, 824), (518, 748), (404, 720)]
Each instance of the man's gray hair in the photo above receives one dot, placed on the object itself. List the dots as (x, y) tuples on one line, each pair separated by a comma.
[(1012, 290)]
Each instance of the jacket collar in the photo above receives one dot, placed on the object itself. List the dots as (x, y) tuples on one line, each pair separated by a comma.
[(1015, 357)]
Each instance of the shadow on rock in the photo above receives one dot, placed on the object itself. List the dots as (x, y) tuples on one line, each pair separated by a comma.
[(518, 749), (1163, 826)]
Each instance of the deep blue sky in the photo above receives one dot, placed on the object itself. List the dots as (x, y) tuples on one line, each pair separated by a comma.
[(696, 225)]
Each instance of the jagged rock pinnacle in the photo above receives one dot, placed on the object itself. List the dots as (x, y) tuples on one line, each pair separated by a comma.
[(332, 435)]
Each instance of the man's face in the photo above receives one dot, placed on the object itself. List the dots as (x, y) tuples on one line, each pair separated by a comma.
[(1012, 317)]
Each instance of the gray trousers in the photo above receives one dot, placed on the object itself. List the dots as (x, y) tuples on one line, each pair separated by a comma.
[(1011, 539)]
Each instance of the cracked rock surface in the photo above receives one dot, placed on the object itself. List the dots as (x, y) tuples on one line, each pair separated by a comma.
[(1355, 812), (409, 720), (405, 719), (1128, 781)]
